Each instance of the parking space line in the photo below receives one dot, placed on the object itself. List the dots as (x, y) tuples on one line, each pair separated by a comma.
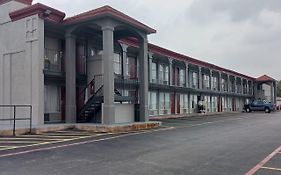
[(263, 162), (18, 142), (51, 142), (48, 136), (86, 142), (270, 168), (20, 138)]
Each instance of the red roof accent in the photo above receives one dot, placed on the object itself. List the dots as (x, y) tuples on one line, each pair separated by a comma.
[(108, 11), (27, 2), (168, 53), (265, 78), (55, 15)]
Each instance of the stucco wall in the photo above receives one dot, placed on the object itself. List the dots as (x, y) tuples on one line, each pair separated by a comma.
[(8, 7), (21, 62), (124, 113)]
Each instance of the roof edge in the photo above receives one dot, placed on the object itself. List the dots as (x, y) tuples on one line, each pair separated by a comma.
[(163, 51), (27, 2), (40, 9), (108, 11)]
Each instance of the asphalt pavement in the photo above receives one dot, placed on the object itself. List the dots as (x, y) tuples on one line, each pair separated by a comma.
[(209, 145)]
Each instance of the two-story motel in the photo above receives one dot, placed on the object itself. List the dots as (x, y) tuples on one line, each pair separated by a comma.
[(99, 67)]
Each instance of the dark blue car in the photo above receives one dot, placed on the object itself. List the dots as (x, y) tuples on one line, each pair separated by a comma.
[(259, 105)]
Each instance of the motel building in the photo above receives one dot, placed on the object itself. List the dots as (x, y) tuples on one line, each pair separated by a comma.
[(98, 67)]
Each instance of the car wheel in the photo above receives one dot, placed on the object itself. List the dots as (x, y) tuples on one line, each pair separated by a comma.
[(267, 110), (248, 110)]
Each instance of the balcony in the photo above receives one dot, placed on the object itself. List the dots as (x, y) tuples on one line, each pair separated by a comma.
[(53, 60)]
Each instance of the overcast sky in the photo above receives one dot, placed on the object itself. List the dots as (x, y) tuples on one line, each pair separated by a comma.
[(242, 35)]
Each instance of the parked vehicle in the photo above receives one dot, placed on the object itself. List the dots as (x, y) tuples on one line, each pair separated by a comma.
[(259, 105)]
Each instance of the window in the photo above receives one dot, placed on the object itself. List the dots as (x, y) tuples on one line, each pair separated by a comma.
[(52, 99), (117, 64), (153, 107), (183, 103), (163, 74), (53, 54), (164, 99), (239, 88), (214, 104), (207, 103), (229, 104), (132, 67), (153, 73), (182, 77), (206, 81), (222, 84), (194, 80), (193, 103), (214, 82), (223, 104)]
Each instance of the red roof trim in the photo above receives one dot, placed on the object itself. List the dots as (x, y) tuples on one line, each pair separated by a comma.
[(265, 78), (107, 10), (168, 53), (56, 16), (27, 2)]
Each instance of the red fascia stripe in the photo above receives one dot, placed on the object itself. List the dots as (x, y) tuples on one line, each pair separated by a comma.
[(108, 11), (56, 16), (168, 53)]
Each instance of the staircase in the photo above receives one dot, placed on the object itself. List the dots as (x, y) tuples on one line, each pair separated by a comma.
[(93, 93)]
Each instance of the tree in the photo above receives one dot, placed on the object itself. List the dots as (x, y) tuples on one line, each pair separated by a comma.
[(279, 89)]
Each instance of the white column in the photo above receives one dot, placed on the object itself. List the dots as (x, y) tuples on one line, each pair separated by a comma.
[(70, 78), (228, 80), (108, 79), (143, 76), (124, 60), (219, 81), (150, 57), (199, 78), (171, 71), (210, 80), (186, 76), (272, 92)]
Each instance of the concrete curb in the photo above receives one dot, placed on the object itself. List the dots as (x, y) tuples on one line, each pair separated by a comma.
[(192, 115), (95, 128)]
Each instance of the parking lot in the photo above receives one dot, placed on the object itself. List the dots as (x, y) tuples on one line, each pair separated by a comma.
[(213, 145), (271, 165)]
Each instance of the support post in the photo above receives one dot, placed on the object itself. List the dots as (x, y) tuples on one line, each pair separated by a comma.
[(219, 82), (171, 71), (70, 78), (143, 76), (150, 57), (275, 93), (108, 79), (186, 75), (272, 92), (210, 79), (200, 82), (124, 61)]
